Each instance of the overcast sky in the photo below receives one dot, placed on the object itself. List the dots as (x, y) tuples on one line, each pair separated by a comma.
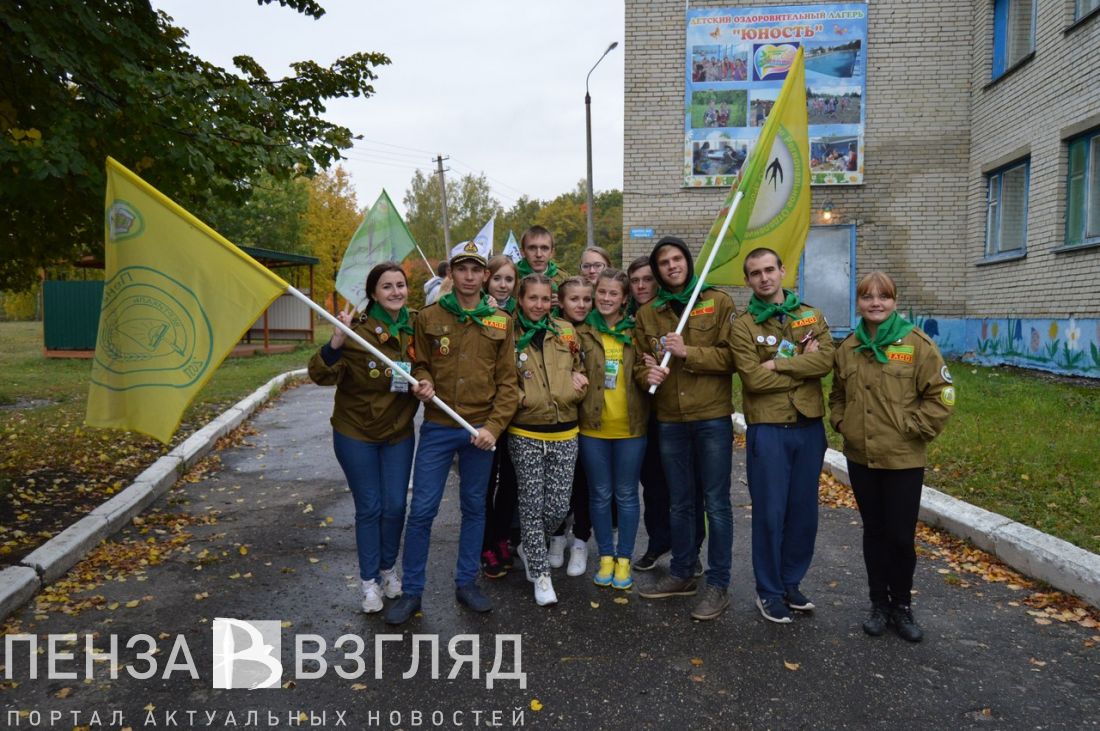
[(496, 86)]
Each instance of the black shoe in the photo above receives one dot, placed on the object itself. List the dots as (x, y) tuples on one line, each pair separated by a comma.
[(904, 624), (876, 622), (797, 601), (402, 610), (648, 560), (470, 596), (491, 567)]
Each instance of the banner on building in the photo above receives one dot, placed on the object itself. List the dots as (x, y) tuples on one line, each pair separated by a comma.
[(737, 59)]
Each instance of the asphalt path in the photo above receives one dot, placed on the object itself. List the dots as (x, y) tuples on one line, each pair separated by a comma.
[(590, 662)]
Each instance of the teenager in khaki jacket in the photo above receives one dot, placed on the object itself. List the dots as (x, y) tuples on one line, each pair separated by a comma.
[(892, 394), (543, 435)]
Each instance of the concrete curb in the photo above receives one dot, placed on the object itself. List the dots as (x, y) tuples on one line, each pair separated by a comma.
[(52, 559), (1059, 563)]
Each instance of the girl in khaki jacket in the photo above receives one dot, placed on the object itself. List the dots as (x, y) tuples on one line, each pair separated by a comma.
[(542, 437), (614, 417), (891, 395)]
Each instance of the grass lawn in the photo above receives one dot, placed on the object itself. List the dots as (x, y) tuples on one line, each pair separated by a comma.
[(53, 469), (1020, 444)]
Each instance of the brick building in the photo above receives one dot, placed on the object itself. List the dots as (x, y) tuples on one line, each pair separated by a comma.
[(981, 171)]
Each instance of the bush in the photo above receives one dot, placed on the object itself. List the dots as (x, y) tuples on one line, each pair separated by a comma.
[(21, 305)]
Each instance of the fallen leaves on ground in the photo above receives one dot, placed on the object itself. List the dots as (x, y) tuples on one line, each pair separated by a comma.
[(792, 666)]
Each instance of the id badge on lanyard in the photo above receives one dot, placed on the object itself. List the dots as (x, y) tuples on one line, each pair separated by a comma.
[(397, 383), (611, 374)]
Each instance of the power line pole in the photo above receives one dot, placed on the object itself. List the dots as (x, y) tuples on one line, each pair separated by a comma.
[(443, 203)]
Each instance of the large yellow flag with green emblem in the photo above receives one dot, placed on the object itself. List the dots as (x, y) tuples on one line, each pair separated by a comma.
[(178, 297), (775, 182)]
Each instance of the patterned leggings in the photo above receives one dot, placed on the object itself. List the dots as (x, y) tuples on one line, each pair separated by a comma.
[(544, 471)]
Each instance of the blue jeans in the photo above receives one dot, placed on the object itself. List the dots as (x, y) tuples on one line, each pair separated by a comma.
[(438, 445), (784, 468), (698, 457), (613, 467), (378, 476)]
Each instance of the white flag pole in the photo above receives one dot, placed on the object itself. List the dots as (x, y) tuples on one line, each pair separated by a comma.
[(702, 279), (431, 272), (381, 356)]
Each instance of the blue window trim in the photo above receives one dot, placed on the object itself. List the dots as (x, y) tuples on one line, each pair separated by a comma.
[(1087, 138), (1010, 254), (1001, 66), (838, 330)]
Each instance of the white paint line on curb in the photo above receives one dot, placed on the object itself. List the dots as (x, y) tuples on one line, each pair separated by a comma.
[(52, 559), (1041, 556)]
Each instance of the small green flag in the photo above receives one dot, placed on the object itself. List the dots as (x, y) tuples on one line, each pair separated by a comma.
[(383, 236)]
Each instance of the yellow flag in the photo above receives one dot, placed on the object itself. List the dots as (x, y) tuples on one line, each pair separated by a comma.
[(178, 297), (775, 182)]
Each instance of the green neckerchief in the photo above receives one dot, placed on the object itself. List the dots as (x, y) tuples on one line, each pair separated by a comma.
[(664, 296), (894, 328), (524, 268), (395, 327), (450, 303), (508, 306), (761, 310), (530, 328), (595, 319)]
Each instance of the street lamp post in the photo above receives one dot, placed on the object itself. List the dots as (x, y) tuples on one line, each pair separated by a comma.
[(588, 136)]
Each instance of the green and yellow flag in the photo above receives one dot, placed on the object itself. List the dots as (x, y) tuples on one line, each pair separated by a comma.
[(382, 236), (775, 208), (178, 297)]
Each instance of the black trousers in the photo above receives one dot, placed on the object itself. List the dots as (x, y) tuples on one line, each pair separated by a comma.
[(501, 497), (889, 501)]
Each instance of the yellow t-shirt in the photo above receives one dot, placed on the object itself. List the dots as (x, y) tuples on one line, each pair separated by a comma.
[(614, 419)]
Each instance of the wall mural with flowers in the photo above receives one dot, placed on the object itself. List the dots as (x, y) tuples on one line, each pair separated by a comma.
[(1069, 346)]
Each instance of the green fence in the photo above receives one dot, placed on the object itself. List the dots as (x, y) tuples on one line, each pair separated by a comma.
[(71, 314)]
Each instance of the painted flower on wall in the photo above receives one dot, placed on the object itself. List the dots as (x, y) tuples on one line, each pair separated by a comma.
[(1036, 340), (985, 329), (1073, 335), (1018, 331), (996, 329), (931, 328), (1053, 330)]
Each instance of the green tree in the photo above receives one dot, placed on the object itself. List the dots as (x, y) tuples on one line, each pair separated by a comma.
[(83, 79), (519, 217), (470, 205), (332, 216), (271, 218)]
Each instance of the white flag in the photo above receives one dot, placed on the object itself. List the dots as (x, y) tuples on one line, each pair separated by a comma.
[(511, 249)]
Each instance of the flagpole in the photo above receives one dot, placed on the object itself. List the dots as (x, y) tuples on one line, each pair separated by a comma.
[(431, 272), (702, 279), (380, 356)]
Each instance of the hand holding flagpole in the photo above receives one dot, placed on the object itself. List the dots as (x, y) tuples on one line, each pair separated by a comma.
[(380, 356), (702, 281)]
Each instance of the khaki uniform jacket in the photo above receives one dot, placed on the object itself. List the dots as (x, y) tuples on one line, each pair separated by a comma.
[(700, 386), (546, 379), (794, 387), (888, 412), (470, 366), (594, 361), (365, 408)]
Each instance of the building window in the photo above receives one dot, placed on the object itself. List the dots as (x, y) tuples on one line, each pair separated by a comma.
[(1083, 190), (1013, 32), (1006, 210), (1084, 7)]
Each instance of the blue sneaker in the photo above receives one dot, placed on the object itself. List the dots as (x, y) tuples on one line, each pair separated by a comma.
[(797, 601), (470, 596), (402, 610), (774, 610)]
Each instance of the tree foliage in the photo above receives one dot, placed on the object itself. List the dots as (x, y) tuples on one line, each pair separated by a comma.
[(84, 79), (470, 205), (332, 216), (273, 216)]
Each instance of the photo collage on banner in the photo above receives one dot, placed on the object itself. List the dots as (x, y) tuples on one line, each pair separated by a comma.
[(737, 59)]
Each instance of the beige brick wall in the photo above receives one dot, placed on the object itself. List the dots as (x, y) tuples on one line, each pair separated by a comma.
[(930, 128), (1030, 110)]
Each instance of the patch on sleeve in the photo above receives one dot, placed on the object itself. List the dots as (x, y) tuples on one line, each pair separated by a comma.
[(706, 307), (947, 396), (945, 374), (806, 318)]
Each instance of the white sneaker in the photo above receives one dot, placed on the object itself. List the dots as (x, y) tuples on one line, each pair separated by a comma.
[(556, 556), (578, 558), (544, 591), (523, 557), (372, 597), (391, 583)]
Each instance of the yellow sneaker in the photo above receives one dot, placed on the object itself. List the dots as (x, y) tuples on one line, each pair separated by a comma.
[(607, 568), (622, 578)]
